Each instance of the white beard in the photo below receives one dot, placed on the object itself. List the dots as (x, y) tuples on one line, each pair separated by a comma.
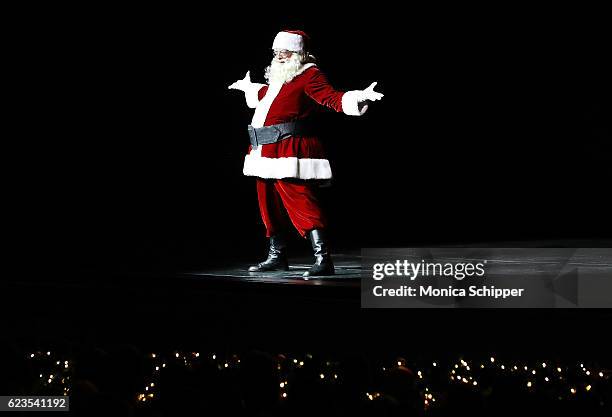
[(283, 72)]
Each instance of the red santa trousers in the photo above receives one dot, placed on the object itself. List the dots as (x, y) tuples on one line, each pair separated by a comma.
[(299, 200)]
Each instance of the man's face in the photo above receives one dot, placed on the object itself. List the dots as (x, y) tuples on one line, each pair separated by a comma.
[(282, 55)]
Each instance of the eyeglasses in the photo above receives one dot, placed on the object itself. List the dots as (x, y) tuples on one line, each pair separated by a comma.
[(281, 53)]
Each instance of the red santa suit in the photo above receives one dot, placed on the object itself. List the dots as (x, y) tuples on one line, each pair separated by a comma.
[(283, 169)]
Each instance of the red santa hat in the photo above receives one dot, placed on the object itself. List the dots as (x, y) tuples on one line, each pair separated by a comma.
[(291, 40)]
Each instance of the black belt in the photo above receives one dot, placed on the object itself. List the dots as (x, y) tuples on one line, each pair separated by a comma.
[(274, 133)]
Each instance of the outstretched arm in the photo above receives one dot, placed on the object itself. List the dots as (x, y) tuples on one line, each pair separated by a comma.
[(250, 89), (352, 103)]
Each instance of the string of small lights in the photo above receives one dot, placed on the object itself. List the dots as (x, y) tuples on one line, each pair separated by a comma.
[(54, 373), (564, 381)]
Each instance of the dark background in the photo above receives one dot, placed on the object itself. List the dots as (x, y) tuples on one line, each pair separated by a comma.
[(494, 127), (127, 152)]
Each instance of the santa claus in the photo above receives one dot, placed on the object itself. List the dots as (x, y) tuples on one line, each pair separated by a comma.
[(285, 154)]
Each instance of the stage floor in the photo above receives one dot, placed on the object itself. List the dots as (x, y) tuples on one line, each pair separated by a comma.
[(348, 273), (224, 303)]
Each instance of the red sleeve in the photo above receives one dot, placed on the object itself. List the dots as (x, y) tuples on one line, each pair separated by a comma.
[(262, 92), (318, 88)]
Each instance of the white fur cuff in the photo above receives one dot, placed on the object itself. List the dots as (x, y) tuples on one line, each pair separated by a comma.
[(351, 104)]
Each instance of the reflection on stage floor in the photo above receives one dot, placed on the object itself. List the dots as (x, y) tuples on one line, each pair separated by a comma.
[(348, 273)]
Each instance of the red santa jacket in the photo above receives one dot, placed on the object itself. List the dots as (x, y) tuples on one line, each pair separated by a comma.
[(300, 157)]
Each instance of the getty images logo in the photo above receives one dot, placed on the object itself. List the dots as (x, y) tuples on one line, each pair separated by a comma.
[(412, 270)]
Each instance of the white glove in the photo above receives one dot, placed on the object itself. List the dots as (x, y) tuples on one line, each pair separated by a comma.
[(369, 94), (242, 85)]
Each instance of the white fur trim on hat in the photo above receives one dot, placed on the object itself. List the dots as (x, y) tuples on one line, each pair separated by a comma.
[(289, 41)]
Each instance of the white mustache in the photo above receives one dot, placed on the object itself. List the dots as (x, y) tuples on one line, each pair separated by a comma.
[(283, 71)]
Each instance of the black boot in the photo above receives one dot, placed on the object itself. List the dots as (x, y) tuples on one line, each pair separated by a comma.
[(323, 263), (277, 257)]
